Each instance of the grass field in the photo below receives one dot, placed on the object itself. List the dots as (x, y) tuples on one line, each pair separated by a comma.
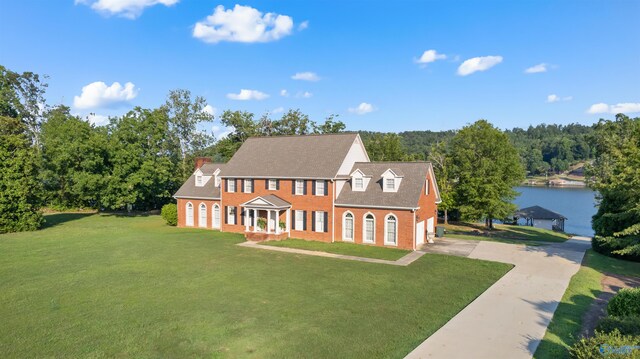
[(350, 249), (583, 289), (108, 286), (503, 233)]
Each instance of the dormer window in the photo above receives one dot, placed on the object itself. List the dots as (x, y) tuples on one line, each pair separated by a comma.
[(390, 184), (391, 180), (199, 180), (357, 184)]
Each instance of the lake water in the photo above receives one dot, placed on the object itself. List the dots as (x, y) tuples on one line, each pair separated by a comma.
[(577, 204)]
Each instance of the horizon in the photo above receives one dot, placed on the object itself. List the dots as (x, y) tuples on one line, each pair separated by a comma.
[(514, 64)]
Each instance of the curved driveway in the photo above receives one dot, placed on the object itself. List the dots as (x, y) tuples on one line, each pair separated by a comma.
[(509, 319)]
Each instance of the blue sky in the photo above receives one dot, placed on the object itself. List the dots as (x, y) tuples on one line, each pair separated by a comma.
[(365, 55)]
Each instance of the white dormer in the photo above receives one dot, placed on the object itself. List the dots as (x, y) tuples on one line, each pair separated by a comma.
[(391, 180), (359, 180), (201, 178), (216, 177)]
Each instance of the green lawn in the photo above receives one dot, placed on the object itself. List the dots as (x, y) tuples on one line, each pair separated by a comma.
[(504, 233), (583, 289), (350, 249), (108, 286)]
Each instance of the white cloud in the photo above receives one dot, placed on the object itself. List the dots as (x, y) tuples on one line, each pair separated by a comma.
[(284, 93), (305, 94), (536, 69), (210, 110), (478, 64), (242, 24), (277, 110), (625, 107), (362, 108), (130, 9), (303, 25), (247, 95), (306, 76), (430, 56), (555, 98), (98, 120), (98, 94), (220, 133)]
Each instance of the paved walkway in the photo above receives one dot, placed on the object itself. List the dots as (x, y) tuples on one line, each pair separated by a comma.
[(404, 261), (510, 318)]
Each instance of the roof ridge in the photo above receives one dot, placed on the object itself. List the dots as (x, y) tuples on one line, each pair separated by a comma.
[(307, 135)]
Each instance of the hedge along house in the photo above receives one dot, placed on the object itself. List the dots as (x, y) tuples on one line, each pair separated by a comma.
[(315, 187)]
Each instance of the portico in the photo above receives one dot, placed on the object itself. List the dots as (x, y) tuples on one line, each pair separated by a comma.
[(263, 215)]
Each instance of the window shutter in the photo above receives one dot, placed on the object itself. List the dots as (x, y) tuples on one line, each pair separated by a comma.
[(253, 183), (304, 191), (242, 217), (304, 220), (326, 222), (241, 186), (278, 184), (326, 188), (266, 184), (235, 185), (226, 215), (313, 187), (313, 221), (226, 185), (293, 186)]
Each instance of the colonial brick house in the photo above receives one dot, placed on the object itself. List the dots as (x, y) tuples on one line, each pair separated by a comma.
[(316, 187)]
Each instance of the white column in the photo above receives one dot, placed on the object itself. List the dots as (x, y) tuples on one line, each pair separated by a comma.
[(288, 220), (277, 213), (255, 219), (268, 221), (246, 219)]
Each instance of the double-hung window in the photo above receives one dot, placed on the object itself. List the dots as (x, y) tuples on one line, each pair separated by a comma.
[(391, 234), (248, 185), (391, 183), (273, 185), (299, 220), (319, 221), (299, 187), (231, 185), (198, 180), (231, 215), (358, 183), (319, 188)]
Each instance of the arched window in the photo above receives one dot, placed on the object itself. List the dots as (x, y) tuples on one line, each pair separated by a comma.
[(391, 230), (216, 216), (189, 214), (369, 229), (202, 217), (347, 226)]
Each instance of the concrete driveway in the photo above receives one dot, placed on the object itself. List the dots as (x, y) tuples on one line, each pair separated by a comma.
[(510, 318)]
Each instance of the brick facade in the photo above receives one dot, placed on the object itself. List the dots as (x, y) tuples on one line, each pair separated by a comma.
[(405, 226), (182, 212)]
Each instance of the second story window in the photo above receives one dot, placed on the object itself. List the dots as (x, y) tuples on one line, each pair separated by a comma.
[(248, 185), (231, 185), (299, 187), (273, 185), (320, 188), (199, 181), (391, 183), (358, 183)]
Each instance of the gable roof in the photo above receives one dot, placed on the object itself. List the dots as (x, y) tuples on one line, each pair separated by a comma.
[(310, 156), (408, 193), (537, 212), (268, 201), (208, 191)]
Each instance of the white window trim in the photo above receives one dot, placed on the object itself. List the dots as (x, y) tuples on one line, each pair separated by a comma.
[(344, 226), (215, 225), (231, 219), (189, 207), (355, 183), (200, 207), (199, 182), (364, 228), (295, 220), (250, 183), (231, 185), (320, 218), (426, 187), (274, 183), (386, 184), (319, 183), (386, 239), (296, 189)]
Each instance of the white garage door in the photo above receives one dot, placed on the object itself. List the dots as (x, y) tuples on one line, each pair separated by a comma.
[(419, 234)]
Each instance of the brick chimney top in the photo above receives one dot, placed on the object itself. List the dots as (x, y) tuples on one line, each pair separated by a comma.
[(201, 161)]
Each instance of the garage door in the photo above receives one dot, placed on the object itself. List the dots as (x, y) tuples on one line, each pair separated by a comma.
[(419, 234)]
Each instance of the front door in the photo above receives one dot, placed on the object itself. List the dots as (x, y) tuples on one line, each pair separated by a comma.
[(419, 234)]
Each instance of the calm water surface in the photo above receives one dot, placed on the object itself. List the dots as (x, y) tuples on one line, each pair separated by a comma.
[(577, 204)]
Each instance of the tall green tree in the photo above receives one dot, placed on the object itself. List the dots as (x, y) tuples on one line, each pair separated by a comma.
[(19, 187), (185, 114), (330, 125), (386, 147), (440, 156), (293, 122), (487, 167), (615, 174), (75, 157)]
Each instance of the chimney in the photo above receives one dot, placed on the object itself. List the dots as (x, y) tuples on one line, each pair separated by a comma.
[(201, 161)]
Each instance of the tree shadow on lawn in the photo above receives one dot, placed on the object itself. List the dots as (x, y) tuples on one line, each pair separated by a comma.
[(55, 219), (566, 325)]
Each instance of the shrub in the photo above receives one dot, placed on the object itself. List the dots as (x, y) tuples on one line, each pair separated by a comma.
[(610, 345), (625, 303), (611, 246), (170, 213), (629, 325)]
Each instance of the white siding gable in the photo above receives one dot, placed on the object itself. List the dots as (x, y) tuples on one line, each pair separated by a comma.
[(389, 176), (357, 153), (357, 178)]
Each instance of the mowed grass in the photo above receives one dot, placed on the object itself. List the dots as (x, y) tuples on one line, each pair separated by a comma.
[(108, 286), (504, 233), (584, 287), (350, 249)]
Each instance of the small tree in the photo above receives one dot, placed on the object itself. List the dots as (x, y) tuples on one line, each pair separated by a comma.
[(170, 214)]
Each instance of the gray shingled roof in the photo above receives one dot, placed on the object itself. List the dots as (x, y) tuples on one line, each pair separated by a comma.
[(407, 195), (537, 212), (273, 199), (209, 190), (313, 156)]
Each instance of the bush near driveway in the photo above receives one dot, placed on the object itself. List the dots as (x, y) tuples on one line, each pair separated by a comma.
[(629, 325), (612, 345), (625, 302)]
